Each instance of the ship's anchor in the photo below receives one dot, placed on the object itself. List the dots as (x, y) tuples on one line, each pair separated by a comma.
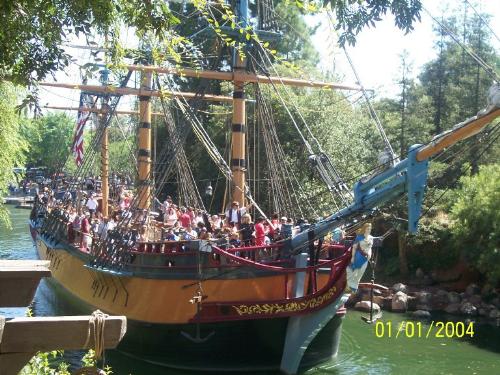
[(197, 339)]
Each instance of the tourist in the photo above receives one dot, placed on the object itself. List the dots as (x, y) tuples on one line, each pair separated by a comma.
[(92, 205), (246, 230), (286, 227), (170, 217), (260, 232), (185, 218), (234, 214)]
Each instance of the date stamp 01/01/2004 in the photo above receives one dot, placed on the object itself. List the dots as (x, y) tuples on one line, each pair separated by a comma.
[(411, 329)]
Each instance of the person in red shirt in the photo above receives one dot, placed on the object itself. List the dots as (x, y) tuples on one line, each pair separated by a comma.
[(260, 232), (185, 218)]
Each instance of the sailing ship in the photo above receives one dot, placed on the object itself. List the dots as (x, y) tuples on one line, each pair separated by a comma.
[(201, 303)]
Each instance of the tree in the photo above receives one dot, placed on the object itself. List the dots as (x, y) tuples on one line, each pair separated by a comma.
[(49, 140), (476, 217), (12, 146), (33, 31)]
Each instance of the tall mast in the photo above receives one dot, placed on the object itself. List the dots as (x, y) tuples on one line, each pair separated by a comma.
[(238, 151), (104, 150), (144, 157)]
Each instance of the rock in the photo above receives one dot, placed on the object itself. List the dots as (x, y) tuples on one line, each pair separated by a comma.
[(365, 306), (494, 314), (496, 302), (474, 299), (467, 308), (399, 287), (454, 297), (424, 298), (440, 300), (399, 302), (483, 312), (453, 308), (487, 291), (412, 303), (421, 314), (419, 273), (379, 300), (423, 307), (472, 289)]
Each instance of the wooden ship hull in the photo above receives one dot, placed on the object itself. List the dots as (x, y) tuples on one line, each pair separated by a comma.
[(242, 323)]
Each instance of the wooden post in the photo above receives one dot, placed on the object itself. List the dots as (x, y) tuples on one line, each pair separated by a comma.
[(238, 152), (144, 159), (104, 167)]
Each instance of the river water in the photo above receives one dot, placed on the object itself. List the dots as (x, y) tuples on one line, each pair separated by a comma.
[(361, 351)]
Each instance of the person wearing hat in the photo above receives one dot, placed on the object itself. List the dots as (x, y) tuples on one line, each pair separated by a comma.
[(234, 214)]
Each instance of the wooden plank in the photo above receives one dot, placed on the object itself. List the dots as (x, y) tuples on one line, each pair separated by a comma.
[(29, 335), (13, 363), (24, 268), (19, 280)]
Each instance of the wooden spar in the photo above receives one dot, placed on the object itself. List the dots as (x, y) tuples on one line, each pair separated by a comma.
[(468, 129), (144, 152), (104, 167), (238, 152), (138, 92), (97, 110), (242, 76)]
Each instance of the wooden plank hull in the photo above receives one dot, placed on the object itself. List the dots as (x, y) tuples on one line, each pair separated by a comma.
[(161, 326)]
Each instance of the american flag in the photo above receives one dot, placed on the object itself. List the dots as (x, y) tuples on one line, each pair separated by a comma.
[(78, 139)]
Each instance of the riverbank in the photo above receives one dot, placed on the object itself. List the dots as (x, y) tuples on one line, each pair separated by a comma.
[(424, 302)]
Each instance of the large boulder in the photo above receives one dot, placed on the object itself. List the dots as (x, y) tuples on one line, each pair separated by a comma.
[(475, 299), (399, 287), (440, 300), (494, 314), (467, 308), (399, 302), (421, 314), (423, 298), (412, 303), (454, 297), (453, 308), (365, 306), (472, 289)]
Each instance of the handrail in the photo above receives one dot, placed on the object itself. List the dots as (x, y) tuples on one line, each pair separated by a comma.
[(268, 267)]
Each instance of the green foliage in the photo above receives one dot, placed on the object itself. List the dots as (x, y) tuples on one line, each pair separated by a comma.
[(49, 139), (12, 145), (43, 364), (352, 16), (476, 217)]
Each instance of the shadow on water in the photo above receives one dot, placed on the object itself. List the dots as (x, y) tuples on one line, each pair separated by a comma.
[(361, 351)]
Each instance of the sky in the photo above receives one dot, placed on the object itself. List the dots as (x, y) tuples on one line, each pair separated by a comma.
[(376, 54)]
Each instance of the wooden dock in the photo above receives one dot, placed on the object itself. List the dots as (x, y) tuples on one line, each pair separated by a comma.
[(21, 338)]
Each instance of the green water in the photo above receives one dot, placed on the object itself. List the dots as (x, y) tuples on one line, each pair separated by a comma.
[(361, 351)]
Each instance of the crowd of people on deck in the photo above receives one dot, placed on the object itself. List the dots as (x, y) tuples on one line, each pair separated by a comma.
[(236, 227)]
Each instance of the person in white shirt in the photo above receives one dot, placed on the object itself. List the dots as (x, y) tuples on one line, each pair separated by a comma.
[(234, 214), (92, 205)]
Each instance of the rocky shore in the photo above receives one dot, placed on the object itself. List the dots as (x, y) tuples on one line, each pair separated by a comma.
[(473, 302)]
